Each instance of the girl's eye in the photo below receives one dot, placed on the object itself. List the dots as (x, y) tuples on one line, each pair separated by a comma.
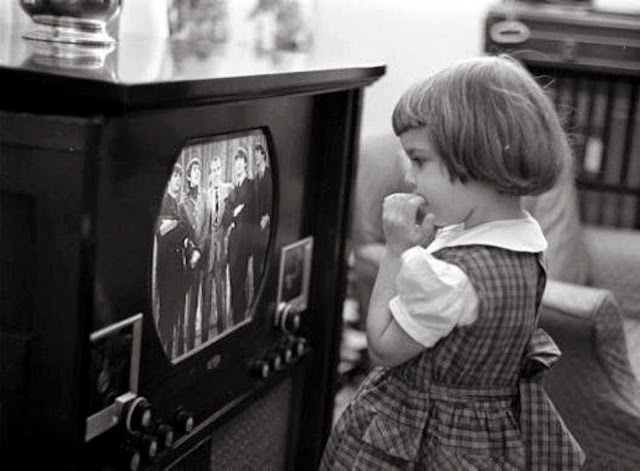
[(417, 162)]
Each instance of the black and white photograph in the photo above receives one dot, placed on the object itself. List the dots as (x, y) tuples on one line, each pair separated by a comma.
[(320, 235), (211, 240)]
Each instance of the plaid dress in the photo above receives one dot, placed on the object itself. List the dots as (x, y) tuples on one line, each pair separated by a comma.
[(472, 402)]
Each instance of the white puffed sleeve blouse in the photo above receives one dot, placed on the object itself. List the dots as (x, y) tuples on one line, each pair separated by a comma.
[(434, 296)]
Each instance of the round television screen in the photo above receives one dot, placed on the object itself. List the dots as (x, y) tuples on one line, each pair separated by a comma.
[(211, 240)]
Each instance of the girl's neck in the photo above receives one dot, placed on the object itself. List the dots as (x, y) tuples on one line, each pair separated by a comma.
[(496, 208)]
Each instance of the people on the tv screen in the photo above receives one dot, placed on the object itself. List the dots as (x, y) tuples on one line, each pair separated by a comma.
[(262, 196), (238, 213), (172, 236), (192, 212), (215, 315), (212, 238)]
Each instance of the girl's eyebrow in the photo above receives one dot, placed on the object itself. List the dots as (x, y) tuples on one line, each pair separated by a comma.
[(414, 149), (417, 153)]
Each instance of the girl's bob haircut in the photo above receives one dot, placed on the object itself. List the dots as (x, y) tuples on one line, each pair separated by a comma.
[(491, 122)]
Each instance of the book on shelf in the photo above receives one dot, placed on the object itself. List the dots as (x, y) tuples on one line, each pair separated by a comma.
[(594, 144), (589, 206), (580, 125), (594, 150), (614, 158), (629, 216)]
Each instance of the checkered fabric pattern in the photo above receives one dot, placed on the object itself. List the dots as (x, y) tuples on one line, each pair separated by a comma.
[(550, 444), (465, 404)]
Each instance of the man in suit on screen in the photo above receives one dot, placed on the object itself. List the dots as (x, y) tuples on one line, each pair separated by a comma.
[(191, 210), (263, 190), (172, 237), (238, 214), (214, 284)]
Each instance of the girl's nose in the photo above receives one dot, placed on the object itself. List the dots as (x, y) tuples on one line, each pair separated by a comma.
[(405, 165), (409, 179)]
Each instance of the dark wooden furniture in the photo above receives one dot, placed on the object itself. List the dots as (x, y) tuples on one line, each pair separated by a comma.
[(86, 148), (589, 59)]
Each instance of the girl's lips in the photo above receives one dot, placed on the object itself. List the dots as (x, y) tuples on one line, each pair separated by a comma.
[(421, 213), (422, 209)]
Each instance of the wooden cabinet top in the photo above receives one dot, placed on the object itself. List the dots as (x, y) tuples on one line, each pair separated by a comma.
[(144, 73)]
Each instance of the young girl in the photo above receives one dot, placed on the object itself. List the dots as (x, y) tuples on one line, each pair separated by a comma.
[(453, 313)]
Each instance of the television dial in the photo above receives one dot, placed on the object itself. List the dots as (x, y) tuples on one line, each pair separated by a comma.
[(275, 361), (165, 434), (260, 368), (147, 445), (300, 346), (129, 458), (104, 381), (286, 353), (288, 317), (184, 421), (138, 415)]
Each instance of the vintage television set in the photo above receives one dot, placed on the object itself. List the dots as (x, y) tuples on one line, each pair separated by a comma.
[(173, 254)]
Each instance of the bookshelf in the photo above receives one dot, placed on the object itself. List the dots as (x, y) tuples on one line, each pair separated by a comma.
[(589, 61)]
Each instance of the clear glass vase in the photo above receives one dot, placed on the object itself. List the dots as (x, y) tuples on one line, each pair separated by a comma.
[(78, 22)]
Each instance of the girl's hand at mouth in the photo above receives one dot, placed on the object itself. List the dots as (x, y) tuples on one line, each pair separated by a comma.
[(406, 222)]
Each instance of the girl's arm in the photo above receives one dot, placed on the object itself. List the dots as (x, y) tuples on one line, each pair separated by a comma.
[(388, 343)]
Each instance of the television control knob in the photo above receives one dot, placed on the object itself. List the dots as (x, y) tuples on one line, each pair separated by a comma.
[(104, 380), (129, 458), (300, 346), (260, 368), (184, 421), (286, 353), (275, 361), (138, 415), (291, 322), (147, 445), (166, 435), (288, 317)]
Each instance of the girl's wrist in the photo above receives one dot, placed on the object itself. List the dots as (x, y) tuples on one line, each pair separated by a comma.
[(392, 251)]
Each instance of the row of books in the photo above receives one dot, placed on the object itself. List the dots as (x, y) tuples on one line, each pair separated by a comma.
[(602, 117)]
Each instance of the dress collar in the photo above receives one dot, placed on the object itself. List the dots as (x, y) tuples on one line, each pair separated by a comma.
[(520, 235)]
